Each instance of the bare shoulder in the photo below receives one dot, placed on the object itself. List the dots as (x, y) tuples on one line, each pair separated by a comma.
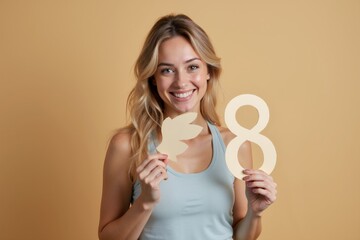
[(118, 152), (120, 141)]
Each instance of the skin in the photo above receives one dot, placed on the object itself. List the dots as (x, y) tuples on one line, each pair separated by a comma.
[(181, 80), (181, 77)]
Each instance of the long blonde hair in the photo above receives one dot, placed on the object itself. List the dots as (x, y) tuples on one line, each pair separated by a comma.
[(144, 103)]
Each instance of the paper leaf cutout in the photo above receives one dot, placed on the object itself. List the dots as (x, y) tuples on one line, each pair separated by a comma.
[(174, 131)]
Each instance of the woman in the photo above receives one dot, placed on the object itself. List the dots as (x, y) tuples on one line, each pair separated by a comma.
[(146, 196)]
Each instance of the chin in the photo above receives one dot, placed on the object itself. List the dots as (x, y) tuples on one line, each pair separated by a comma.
[(185, 110)]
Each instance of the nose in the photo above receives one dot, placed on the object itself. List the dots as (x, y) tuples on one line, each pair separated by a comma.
[(181, 79)]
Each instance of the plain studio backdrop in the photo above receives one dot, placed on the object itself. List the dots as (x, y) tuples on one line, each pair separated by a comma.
[(66, 70)]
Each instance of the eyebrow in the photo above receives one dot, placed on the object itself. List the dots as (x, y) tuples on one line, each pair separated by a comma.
[(187, 61)]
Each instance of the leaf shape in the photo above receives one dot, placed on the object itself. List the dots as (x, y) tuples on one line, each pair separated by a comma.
[(185, 118), (187, 132), (172, 149), (177, 129)]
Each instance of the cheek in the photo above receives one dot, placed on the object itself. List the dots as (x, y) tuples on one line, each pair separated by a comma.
[(200, 80), (160, 84), (161, 87)]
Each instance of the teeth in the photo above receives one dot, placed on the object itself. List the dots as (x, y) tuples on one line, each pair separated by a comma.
[(182, 95)]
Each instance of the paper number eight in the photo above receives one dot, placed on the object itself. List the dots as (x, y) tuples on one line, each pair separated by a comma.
[(244, 134)]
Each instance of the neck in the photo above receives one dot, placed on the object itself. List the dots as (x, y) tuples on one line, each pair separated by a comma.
[(203, 123)]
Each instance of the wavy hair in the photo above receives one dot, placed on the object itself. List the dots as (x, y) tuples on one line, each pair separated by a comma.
[(144, 103)]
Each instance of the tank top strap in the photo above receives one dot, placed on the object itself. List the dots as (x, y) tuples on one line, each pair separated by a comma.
[(217, 138)]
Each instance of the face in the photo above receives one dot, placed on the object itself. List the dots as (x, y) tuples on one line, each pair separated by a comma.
[(181, 77)]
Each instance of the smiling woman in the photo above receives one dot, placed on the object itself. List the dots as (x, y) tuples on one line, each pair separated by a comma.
[(181, 77), (177, 72)]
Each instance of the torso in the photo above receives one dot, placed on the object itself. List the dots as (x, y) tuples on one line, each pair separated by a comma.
[(197, 199)]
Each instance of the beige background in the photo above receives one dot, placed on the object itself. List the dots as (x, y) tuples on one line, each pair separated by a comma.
[(66, 70)]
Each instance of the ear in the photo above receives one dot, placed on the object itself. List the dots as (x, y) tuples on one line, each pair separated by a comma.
[(208, 77)]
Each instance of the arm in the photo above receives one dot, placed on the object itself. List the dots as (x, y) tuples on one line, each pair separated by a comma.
[(252, 197), (117, 219)]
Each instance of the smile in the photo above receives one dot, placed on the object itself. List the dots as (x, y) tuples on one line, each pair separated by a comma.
[(183, 95)]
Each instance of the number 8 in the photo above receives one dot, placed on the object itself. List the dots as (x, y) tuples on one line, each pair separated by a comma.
[(244, 134)]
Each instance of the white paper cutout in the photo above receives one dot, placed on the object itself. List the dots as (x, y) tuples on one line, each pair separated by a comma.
[(244, 134), (177, 129)]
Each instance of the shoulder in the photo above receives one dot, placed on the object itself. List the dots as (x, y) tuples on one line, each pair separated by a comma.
[(120, 141), (119, 152)]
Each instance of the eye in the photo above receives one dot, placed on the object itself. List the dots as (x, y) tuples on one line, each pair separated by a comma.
[(166, 70), (193, 67)]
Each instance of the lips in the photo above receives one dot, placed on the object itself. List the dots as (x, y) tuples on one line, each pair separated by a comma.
[(182, 94)]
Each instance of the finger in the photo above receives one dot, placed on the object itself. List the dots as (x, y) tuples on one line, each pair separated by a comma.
[(156, 172), (266, 193), (163, 176), (150, 168), (148, 165), (154, 181), (153, 164), (263, 185), (255, 171), (150, 158), (166, 160), (260, 176), (159, 170)]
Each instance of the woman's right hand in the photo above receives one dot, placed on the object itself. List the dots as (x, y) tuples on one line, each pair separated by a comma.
[(150, 173)]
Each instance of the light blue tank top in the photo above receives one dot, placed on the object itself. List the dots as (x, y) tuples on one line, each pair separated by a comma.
[(196, 205)]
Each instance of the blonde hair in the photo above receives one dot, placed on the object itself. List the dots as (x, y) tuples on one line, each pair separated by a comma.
[(144, 103)]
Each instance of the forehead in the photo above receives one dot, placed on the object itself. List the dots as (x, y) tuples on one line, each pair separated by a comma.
[(176, 49)]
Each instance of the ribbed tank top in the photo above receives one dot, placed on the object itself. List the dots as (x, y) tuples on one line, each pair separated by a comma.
[(195, 205)]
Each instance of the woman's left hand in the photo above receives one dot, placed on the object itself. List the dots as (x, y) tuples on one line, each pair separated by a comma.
[(260, 190)]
